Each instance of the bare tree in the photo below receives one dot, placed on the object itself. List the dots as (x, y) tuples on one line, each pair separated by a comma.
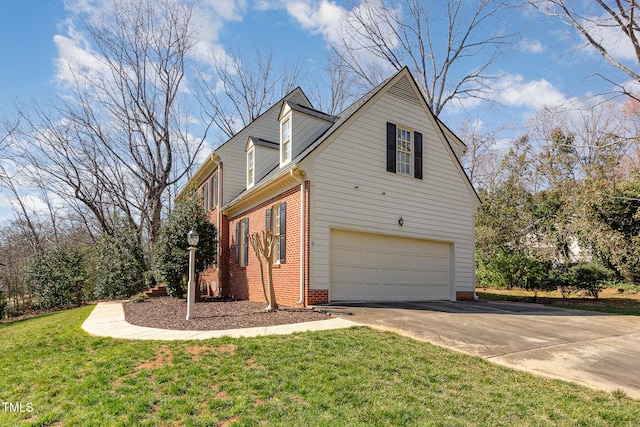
[(588, 143), (335, 92), (263, 244), (595, 20), (240, 87), (448, 44), (121, 137), (482, 159)]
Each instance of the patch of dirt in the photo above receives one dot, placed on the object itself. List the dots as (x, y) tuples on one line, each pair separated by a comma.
[(230, 421), (170, 313), (196, 350), (163, 357)]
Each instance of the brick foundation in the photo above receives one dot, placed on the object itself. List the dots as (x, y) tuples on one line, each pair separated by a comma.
[(317, 296), (465, 295)]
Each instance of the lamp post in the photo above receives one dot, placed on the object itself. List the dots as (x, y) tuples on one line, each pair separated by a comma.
[(192, 239)]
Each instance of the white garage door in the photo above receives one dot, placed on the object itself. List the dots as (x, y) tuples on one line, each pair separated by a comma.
[(372, 267)]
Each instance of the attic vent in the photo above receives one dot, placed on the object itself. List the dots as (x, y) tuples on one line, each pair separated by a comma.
[(403, 89)]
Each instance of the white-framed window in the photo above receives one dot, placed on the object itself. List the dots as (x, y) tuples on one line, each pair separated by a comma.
[(276, 232), (285, 151), (242, 242), (251, 163), (404, 151)]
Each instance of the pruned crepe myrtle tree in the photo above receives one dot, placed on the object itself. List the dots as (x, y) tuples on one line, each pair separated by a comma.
[(263, 244)]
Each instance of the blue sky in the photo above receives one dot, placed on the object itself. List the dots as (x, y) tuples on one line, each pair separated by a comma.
[(547, 65)]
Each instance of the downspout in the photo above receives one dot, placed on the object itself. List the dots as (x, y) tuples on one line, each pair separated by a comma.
[(299, 175), (218, 162)]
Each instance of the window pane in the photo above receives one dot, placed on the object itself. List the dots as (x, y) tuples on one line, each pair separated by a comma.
[(403, 151), (275, 227)]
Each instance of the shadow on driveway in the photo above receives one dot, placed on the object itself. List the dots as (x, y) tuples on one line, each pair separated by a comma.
[(462, 307)]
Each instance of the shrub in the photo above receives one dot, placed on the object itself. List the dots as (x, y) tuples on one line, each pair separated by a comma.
[(590, 277), (170, 258), (3, 305), (509, 269), (57, 278), (120, 263), (563, 282)]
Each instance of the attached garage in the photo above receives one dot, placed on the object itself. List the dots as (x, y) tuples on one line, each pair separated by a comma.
[(373, 267)]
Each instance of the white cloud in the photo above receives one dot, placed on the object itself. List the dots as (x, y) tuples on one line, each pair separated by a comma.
[(325, 17), (532, 46), (227, 10), (73, 53), (209, 18), (606, 32), (512, 90)]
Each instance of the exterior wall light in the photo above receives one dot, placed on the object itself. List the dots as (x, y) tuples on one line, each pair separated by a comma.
[(401, 222)]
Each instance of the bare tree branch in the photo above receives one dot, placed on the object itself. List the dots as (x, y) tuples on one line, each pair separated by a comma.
[(119, 139), (621, 15), (435, 39), (243, 86)]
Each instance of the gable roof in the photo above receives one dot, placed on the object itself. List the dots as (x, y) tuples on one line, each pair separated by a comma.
[(262, 143), (406, 89), (308, 111), (296, 95)]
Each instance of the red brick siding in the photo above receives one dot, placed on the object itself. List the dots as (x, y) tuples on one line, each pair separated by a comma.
[(317, 296), (245, 282), (465, 295)]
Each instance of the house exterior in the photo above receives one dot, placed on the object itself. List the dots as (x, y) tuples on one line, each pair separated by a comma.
[(369, 205)]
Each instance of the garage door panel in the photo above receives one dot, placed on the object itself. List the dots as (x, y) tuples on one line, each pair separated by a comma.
[(377, 267), (373, 275)]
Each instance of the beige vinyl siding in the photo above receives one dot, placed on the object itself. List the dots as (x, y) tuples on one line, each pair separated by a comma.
[(266, 159), (234, 155), (305, 129), (438, 207)]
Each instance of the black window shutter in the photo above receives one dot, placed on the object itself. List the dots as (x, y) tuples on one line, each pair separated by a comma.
[(391, 147), (245, 244), (211, 196), (267, 220), (417, 149), (205, 196), (238, 243), (283, 233)]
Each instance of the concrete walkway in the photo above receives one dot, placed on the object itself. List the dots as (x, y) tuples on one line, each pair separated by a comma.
[(598, 350), (107, 320)]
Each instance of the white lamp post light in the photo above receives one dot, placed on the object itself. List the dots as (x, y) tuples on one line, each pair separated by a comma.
[(192, 239)]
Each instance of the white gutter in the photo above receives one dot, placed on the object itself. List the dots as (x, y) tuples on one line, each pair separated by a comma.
[(218, 162), (299, 175)]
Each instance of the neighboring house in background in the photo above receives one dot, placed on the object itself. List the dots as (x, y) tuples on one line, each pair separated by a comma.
[(369, 205)]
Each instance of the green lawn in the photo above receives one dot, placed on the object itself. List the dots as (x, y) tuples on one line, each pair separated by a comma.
[(351, 377), (610, 301)]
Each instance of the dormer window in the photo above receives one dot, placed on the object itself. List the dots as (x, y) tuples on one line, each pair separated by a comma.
[(285, 151), (251, 167)]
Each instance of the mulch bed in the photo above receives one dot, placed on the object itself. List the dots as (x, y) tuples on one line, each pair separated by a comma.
[(170, 313)]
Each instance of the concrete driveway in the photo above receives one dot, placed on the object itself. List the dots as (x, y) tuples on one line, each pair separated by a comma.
[(594, 349)]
